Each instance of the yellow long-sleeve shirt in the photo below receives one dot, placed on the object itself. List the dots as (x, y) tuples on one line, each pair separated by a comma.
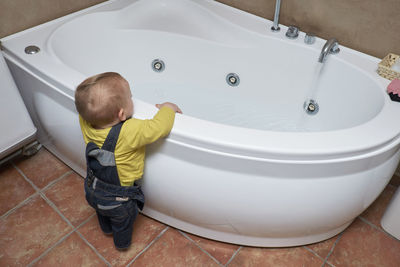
[(134, 136)]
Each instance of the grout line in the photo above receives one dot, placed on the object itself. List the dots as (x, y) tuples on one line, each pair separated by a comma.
[(369, 223), (56, 181), (332, 249), (28, 199), (56, 209), (37, 189), (47, 186), (85, 221), (148, 246), (87, 242), (93, 248), (26, 178), (234, 255), (50, 248), (376, 227), (42, 194), (313, 252), (75, 229), (197, 245)]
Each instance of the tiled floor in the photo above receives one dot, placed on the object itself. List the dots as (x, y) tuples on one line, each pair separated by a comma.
[(45, 221)]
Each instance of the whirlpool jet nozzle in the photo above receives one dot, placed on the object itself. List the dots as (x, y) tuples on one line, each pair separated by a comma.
[(232, 79), (158, 65), (311, 107)]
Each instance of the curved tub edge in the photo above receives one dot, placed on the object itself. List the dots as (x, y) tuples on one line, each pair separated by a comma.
[(239, 239)]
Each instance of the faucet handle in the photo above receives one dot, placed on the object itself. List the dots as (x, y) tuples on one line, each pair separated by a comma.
[(335, 48), (292, 32), (309, 38)]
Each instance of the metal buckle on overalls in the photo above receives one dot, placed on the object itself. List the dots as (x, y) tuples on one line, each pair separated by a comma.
[(122, 198), (90, 178)]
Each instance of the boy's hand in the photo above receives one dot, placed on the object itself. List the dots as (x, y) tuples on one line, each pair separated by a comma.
[(170, 105)]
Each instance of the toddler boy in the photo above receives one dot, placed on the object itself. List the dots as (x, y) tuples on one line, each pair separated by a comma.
[(115, 150)]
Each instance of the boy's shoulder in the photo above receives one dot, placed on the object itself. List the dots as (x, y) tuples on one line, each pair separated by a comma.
[(132, 123), (133, 120)]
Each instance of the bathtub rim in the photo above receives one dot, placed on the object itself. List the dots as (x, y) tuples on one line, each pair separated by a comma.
[(303, 146), (180, 135)]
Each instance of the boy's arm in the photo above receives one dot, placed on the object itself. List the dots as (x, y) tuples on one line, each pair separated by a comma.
[(159, 126), (170, 105), (144, 132)]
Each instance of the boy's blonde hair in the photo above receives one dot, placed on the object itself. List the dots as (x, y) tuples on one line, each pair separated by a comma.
[(99, 98)]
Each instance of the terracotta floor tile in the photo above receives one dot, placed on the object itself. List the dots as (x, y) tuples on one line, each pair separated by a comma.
[(73, 251), (145, 230), (42, 168), (363, 245), (27, 232), (69, 197), (174, 250), (13, 188), (324, 247), (275, 257), (222, 252), (395, 181), (375, 212)]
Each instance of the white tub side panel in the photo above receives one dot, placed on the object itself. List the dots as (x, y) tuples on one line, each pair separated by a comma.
[(16, 126), (257, 210), (53, 112)]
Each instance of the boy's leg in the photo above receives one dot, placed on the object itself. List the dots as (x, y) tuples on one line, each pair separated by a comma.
[(91, 198), (122, 226), (105, 223)]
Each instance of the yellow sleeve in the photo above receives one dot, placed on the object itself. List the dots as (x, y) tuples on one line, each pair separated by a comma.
[(142, 132)]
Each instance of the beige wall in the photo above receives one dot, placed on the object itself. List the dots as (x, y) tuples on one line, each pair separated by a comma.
[(369, 26), (18, 15)]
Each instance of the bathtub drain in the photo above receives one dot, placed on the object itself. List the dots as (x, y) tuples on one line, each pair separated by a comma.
[(32, 49), (311, 107), (232, 79), (158, 65)]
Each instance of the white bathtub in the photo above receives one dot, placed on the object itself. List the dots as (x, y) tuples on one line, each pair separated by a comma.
[(244, 164)]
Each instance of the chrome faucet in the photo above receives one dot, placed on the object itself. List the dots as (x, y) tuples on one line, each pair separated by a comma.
[(275, 26), (331, 47)]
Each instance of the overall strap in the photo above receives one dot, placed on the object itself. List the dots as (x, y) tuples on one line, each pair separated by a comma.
[(101, 162), (112, 137)]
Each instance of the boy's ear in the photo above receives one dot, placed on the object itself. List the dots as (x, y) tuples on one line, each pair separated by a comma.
[(121, 115)]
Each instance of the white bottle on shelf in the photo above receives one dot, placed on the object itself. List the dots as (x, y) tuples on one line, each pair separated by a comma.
[(396, 65)]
